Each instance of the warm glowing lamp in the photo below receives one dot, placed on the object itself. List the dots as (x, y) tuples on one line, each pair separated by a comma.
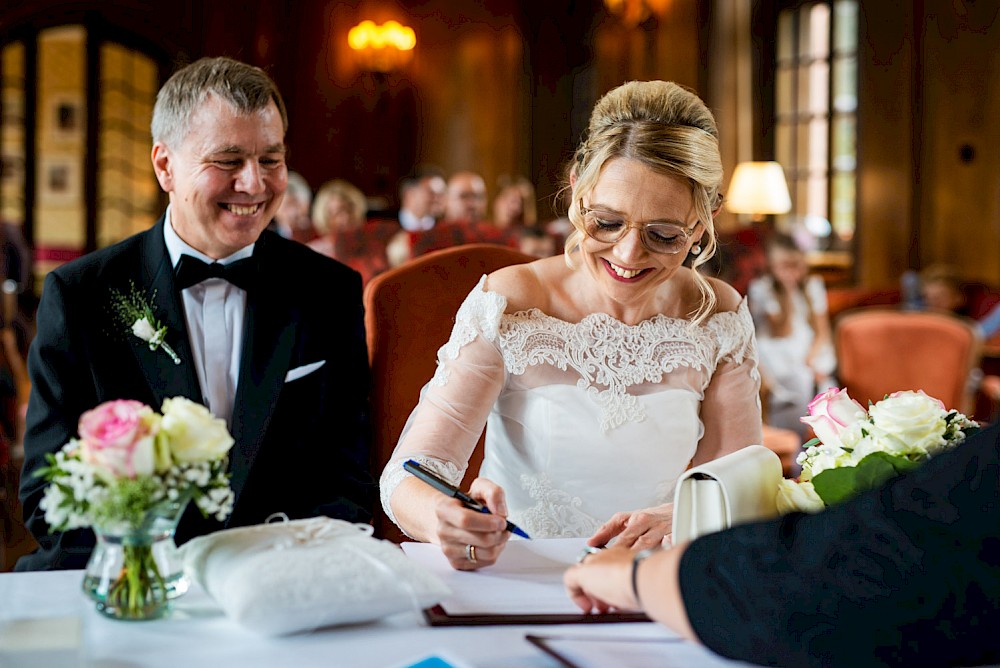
[(634, 12), (759, 189), (382, 48)]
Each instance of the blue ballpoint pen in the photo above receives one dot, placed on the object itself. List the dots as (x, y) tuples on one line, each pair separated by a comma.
[(446, 488)]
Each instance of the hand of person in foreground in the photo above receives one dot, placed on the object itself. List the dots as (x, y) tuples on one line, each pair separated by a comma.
[(602, 581), (471, 539), (638, 529)]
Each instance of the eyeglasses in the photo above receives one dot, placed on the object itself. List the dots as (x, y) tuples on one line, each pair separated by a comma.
[(609, 228)]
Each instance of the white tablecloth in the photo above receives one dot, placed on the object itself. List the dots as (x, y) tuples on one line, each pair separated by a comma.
[(197, 634)]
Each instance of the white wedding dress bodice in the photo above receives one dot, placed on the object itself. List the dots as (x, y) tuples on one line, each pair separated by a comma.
[(582, 419)]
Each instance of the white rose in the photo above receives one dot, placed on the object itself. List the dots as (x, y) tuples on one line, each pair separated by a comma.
[(877, 440), (798, 496), (143, 329), (914, 418), (194, 434)]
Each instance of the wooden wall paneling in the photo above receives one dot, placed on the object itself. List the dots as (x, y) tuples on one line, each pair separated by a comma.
[(887, 133), (959, 163)]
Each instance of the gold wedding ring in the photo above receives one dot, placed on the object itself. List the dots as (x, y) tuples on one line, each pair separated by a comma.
[(470, 553)]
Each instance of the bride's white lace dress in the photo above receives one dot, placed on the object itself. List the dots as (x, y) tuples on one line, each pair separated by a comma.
[(584, 419)]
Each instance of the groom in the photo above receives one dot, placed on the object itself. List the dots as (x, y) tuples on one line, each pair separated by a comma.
[(285, 366)]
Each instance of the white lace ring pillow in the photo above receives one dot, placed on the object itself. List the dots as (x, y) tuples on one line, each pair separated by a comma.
[(294, 576)]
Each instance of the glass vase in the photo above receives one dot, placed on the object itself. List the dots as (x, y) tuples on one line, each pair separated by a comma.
[(134, 571)]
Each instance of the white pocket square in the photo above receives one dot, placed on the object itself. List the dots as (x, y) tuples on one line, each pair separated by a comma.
[(303, 370)]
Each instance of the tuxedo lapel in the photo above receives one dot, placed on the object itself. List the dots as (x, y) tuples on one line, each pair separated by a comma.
[(270, 331), (166, 379)]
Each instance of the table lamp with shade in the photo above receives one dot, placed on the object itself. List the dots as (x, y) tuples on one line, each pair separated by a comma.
[(758, 189)]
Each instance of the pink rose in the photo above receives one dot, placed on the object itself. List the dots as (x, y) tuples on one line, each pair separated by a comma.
[(831, 414), (117, 436)]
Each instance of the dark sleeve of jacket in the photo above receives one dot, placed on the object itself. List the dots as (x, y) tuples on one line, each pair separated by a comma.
[(61, 390), (905, 575)]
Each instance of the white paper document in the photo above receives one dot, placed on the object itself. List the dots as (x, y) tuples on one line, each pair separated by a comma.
[(527, 578)]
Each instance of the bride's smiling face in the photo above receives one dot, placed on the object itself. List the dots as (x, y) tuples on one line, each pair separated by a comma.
[(628, 192)]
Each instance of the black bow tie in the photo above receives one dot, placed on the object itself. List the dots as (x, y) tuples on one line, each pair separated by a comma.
[(190, 271)]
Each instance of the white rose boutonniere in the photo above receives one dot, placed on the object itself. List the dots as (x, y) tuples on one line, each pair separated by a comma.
[(136, 314)]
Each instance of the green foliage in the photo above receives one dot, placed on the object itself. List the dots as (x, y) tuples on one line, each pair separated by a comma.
[(839, 484), (128, 501)]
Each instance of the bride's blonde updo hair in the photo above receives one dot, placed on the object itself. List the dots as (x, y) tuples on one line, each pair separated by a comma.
[(670, 130)]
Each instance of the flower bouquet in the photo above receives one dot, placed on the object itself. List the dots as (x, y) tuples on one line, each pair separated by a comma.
[(130, 475), (856, 450)]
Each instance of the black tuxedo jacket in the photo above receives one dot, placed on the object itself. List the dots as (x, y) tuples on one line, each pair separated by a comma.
[(302, 446)]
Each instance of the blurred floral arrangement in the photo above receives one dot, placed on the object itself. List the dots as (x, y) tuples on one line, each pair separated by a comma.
[(856, 450)]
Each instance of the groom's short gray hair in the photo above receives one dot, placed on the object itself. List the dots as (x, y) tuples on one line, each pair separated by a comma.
[(247, 88)]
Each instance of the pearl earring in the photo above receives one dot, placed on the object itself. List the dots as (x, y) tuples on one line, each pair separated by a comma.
[(696, 249)]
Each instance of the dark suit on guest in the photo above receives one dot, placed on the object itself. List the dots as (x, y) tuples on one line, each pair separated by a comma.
[(302, 446)]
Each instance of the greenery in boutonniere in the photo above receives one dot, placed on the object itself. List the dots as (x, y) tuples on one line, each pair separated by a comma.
[(135, 312)]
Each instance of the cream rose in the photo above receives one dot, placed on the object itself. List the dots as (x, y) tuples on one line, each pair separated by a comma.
[(798, 496), (193, 433), (913, 418)]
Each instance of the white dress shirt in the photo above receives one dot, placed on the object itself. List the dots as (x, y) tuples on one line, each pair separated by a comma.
[(411, 223), (214, 310)]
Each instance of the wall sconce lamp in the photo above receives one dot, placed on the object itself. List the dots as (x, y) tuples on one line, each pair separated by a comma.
[(382, 48), (759, 189), (635, 12)]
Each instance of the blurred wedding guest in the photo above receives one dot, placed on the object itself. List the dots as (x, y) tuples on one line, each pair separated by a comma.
[(416, 204), (465, 200), (535, 241), (292, 218), (344, 235), (514, 204), (601, 374), (270, 359), (794, 339), (339, 206), (941, 288), (905, 575)]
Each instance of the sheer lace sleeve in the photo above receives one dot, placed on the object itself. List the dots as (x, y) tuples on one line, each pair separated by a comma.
[(444, 428), (730, 410)]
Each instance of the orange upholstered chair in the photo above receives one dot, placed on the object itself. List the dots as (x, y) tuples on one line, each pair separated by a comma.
[(409, 313), (883, 351)]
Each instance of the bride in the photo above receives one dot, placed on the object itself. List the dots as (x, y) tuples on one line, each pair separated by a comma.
[(602, 374)]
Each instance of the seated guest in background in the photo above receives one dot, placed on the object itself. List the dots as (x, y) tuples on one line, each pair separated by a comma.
[(599, 375), (341, 220), (416, 201), (264, 355), (292, 219), (534, 241), (906, 575), (339, 206), (465, 200), (941, 288), (514, 205), (794, 338)]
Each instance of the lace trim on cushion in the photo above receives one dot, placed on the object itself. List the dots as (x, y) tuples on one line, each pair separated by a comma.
[(556, 513), (609, 355), (394, 474), (480, 313)]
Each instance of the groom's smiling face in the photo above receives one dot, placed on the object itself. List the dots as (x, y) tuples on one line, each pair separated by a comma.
[(226, 177)]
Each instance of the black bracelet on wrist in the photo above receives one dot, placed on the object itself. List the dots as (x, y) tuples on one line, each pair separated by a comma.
[(639, 556)]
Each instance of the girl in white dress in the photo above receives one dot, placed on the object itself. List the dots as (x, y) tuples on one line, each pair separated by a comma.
[(599, 375), (789, 308)]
